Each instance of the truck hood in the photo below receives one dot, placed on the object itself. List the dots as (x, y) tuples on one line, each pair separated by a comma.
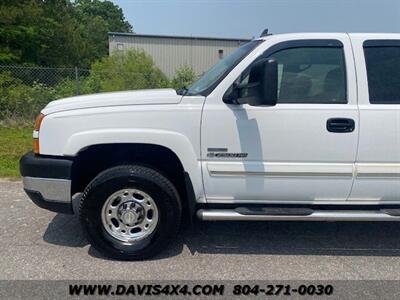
[(138, 97)]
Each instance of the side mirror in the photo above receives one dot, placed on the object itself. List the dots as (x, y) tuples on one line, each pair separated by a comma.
[(270, 84), (262, 86), (267, 90)]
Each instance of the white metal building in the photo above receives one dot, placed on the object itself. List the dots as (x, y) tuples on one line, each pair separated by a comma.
[(171, 52)]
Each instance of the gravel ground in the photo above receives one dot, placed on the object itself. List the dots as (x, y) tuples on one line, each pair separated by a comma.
[(37, 244)]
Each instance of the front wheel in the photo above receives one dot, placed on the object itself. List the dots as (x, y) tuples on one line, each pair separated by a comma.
[(130, 212)]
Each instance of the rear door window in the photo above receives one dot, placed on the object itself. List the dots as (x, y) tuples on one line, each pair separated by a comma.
[(382, 58)]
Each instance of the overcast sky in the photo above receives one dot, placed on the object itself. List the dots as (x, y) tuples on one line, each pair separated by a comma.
[(247, 18)]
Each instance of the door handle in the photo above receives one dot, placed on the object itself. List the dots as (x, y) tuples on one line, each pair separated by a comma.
[(340, 125)]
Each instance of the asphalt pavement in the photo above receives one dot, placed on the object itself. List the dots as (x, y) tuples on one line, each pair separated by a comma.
[(38, 244)]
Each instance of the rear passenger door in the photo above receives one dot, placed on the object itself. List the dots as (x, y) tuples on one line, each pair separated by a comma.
[(378, 158)]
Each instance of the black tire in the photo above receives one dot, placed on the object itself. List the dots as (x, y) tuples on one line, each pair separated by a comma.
[(138, 177)]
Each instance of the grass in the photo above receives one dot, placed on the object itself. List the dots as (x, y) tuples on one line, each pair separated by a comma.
[(14, 142)]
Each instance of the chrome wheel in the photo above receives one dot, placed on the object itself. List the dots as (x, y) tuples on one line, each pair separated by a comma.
[(129, 215)]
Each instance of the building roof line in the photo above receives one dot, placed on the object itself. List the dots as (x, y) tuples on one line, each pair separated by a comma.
[(177, 36)]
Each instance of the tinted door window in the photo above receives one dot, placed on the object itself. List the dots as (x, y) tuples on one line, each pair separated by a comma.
[(383, 72), (311, 75)]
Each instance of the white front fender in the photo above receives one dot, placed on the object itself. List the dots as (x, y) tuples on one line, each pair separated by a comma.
[(176, 142)]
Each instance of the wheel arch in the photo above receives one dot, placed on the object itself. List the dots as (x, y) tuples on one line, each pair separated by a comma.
[(96, 150)]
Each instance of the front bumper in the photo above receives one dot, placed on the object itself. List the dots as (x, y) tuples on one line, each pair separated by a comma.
[(47, 181)]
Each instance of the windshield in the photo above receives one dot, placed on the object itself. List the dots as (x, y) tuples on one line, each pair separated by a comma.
[(213, 76)]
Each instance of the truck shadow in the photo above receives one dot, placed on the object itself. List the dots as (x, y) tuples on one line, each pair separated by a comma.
[(296, 238), (258, 238)]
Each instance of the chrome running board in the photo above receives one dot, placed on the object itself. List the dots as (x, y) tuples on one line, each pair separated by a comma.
[(317, 215)]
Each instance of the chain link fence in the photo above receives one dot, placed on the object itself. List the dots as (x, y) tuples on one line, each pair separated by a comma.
[(25, 90), (50, 77)]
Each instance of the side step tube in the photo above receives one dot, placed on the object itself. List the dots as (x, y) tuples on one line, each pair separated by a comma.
[(317, 215)]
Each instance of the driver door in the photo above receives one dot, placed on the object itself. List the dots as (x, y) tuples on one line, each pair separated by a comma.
[(286, 153)]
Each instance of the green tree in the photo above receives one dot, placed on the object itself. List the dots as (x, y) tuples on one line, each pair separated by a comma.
[(94, 20), (184, 77), (109, 12), (59, 42), (124, 71), (57, 32), (20, 31)]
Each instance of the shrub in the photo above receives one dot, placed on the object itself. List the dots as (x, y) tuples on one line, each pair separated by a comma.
[(184, 77), (39, 97), (66, 88), (124, 71), (19, 101)]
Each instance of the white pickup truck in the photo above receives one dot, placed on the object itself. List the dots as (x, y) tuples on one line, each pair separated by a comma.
[(287, 127)]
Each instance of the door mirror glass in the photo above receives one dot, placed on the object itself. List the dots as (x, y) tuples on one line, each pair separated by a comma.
[(257, 87)]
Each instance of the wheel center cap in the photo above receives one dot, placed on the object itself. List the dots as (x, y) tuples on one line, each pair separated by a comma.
[(129, 217), (130, 213)]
